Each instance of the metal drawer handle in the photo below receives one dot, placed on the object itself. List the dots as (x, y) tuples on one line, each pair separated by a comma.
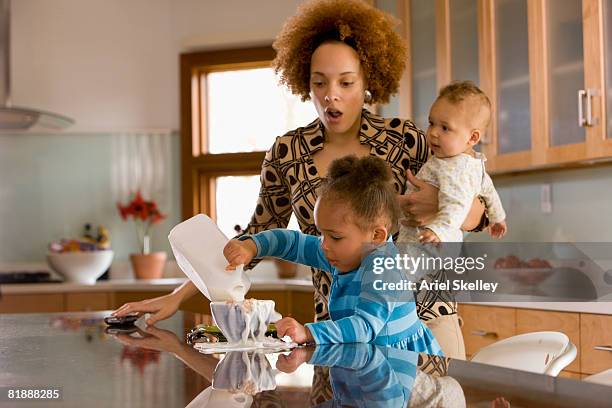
[(484, 333), (603, 348), (581, 119), (589, 120)]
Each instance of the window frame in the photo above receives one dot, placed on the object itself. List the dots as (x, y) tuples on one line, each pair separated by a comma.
[(200, 169)]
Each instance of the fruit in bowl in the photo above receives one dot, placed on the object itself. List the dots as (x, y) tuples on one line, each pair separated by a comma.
[(527, 273), (80, 267)]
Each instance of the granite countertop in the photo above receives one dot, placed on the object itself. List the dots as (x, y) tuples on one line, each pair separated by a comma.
[(73, 355)]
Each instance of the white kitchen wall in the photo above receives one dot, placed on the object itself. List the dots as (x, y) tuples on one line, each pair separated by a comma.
[(113, 66)]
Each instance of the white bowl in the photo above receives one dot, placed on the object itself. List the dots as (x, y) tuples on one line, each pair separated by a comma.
[(81, 267)]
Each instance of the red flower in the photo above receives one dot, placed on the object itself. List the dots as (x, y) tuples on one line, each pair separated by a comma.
[(139, 209), (144, 213)]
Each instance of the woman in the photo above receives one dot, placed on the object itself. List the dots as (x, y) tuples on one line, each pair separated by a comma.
[(340, 54)]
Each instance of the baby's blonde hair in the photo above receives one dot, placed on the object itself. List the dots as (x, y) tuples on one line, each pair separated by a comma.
[(478, 103)]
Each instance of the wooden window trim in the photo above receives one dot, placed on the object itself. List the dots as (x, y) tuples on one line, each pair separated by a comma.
[(199, 169)]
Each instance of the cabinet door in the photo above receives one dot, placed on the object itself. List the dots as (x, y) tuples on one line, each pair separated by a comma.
[(37, 303), (422, 38), (507, 81), (607, 86), (528, 321), (563, 20), (463, 19), (598, 72), (484, 325), (595, 343), (87, 301)]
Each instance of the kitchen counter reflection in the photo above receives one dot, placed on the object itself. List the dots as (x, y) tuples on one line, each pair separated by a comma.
[(153, 366)]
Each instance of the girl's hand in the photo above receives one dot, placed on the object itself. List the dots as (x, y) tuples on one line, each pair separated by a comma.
[(239, 253), (297, 357), (498, 230), (427, 236), (288, 326), (421, 206)]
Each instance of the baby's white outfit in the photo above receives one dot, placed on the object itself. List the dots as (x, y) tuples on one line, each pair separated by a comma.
[(459, 179)]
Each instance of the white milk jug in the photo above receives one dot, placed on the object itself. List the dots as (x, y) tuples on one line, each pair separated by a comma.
[(198, 245)]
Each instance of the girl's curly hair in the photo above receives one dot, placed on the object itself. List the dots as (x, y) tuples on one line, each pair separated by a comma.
[(382, 52), (365, 185)]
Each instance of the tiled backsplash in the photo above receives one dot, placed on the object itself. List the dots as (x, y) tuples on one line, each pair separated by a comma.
[(581, 206), (52, 184)]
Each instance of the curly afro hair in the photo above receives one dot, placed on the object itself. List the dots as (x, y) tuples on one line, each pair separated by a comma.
[(382, 52), (371, 198)]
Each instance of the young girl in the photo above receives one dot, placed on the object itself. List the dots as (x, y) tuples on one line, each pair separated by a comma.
[(356, 211)]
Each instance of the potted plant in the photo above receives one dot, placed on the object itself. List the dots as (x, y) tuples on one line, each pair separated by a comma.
[(146, 264)]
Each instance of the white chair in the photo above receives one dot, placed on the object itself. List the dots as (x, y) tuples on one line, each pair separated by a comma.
[(538, 352)]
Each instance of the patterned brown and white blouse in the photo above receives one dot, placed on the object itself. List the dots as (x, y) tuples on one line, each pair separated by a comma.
[(289, 182)]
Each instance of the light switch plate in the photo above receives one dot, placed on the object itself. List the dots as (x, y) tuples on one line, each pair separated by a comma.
[(546, 199)]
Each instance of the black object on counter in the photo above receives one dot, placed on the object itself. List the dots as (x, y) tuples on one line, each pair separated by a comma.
[(27, 277)]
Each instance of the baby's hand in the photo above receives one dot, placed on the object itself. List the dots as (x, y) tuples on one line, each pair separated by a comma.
[(288, 326), (239, 253), (498, 230), (428, 236)]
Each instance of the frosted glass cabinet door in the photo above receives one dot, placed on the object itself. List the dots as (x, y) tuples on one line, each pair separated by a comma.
[(513, 103), (464, 40), (608, 62), (566, 70), (423, 44)]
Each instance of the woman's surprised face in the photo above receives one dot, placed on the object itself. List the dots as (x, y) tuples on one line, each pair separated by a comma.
[(337, 87)]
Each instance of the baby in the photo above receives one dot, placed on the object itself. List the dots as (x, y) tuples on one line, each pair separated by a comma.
[(355, 215), (457, 120)]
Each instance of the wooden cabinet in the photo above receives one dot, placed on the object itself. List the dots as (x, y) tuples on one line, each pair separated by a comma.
[(545, 65), (483, 326), (298, 304), (87, 301), (539, 320), (590, 333), (34, 303), (595, 343)]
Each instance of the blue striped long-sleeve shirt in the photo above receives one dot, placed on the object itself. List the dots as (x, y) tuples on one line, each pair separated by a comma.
[(360, 311), (365, 375)]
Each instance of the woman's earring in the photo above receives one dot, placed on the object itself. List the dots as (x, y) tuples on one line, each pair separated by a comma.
[(367, 96)]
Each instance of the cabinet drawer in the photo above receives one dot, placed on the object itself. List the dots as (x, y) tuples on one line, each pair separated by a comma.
[(539, 320), (484, 325), (38, 303), (81, 302), (595, 331)]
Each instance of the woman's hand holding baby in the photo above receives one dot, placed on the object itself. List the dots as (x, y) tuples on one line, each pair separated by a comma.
[(239, 253), (288, 326)]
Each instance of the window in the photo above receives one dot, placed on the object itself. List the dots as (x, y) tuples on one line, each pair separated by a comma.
[(232, 110)]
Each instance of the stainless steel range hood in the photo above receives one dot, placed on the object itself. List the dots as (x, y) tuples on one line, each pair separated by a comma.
[(13, 117)]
